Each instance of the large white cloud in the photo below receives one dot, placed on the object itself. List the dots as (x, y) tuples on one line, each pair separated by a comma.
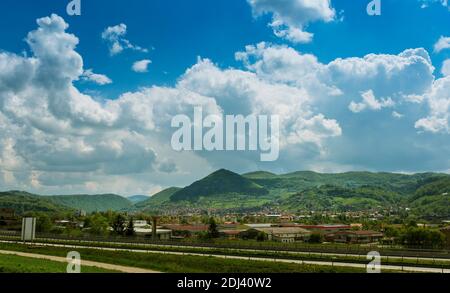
[(242, 92), (48, 126), (58, 129), (393, 87), (290, 17), (54, 138), (393, 77)]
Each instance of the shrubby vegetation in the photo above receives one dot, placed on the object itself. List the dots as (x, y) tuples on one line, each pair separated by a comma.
[(419, 237), (316, 238), (415, 237)]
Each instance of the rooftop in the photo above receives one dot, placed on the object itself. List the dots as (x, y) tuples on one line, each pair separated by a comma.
[(332, 226), (192, 228), (361, 233), (284, 230)]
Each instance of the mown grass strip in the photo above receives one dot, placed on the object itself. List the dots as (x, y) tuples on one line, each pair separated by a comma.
[(21, 264)]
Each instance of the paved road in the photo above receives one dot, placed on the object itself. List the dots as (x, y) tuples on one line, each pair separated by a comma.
[(112, 267), (320, 263)]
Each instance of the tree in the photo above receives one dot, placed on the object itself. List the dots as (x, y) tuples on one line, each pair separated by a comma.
[(250, 234), (391, 232), (425, 238), (261, 237), (118, 224), (411, 224), (98, 224), (87, 222), (129, 231), (316, 238), (213, 232), (44, 223)]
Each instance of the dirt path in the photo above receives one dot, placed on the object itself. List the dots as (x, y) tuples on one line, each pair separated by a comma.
[(119, 268)]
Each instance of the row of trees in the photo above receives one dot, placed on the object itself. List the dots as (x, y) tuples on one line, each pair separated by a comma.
[(412, 236), (96, 224), (121, 227)]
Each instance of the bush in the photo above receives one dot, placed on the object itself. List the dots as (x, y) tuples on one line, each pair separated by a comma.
[(261, 237), (316, 238)]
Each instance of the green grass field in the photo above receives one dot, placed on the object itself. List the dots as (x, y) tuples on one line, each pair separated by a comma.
[(183, 264), (20, 264)]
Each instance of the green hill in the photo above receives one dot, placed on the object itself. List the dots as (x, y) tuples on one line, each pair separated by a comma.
[(432, 206), (433, 186), (219, 183), (335, 198), (303, 180), (306, 191), (432, 200), (92, 203), (23, 202), (260, 175), (158, 198)]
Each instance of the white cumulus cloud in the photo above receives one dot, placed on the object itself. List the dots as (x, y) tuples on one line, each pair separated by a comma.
[(141, 66), (438, 98), (369, 101), (291, 17), (99, 79), (115, 36), (442, 44)]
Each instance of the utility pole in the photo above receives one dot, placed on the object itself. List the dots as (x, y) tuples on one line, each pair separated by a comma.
[(154, 227)]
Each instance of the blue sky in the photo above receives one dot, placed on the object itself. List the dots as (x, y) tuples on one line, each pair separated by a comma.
[(342, 110), (180, 30)]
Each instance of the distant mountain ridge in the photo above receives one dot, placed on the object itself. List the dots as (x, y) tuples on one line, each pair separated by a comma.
[(93, 203), (426, 194), (138, 198), (22, 202)]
